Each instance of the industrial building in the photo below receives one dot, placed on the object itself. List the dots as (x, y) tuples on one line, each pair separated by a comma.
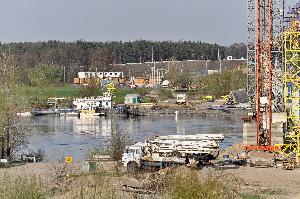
[(84, 77)]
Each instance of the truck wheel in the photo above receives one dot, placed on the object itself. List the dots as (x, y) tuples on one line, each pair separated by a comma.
[(132, 167)]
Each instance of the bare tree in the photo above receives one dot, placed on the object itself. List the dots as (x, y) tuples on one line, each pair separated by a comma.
[(13, 129), (178, 77), (118, 143)]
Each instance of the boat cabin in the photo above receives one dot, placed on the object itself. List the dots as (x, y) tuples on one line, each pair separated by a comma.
[(93, 103)]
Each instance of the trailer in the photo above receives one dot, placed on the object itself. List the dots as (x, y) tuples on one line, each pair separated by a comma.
[(160, 152)]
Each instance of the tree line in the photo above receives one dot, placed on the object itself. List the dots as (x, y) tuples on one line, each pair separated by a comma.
[(83, 55)]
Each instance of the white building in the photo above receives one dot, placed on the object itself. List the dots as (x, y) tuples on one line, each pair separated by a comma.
[(100, 75), (92, 103)]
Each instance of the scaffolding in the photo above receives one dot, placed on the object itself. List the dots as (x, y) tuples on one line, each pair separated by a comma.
[(276, 47), (291, 147)]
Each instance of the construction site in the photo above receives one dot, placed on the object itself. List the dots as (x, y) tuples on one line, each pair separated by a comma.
[(245, 144), (268, 160)]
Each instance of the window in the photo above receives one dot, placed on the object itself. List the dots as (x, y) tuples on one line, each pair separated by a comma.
[(116, 73), (110, 73)]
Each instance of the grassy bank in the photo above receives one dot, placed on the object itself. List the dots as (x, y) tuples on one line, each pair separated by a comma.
[(70, 91), (66, 91)]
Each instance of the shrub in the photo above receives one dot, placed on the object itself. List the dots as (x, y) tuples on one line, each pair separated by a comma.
[(192, 184), (165, 94)]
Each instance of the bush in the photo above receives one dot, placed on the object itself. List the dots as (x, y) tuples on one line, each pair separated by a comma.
[(165, 94), (115, 147), (192, 184)]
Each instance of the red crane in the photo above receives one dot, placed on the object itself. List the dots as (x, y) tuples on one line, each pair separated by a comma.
[(264, 65)]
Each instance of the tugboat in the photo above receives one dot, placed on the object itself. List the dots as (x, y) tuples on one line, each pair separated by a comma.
[(93, 106)]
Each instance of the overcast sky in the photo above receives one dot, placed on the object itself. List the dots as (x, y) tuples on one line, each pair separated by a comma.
[(215, 21)]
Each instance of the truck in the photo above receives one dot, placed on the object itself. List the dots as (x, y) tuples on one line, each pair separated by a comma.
[(160, 152), (181, 99)]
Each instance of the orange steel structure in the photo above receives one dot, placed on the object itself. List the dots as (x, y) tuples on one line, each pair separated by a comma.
[(264, 65)]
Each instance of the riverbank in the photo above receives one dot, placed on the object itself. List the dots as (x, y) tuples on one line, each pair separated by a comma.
[(194, 112)]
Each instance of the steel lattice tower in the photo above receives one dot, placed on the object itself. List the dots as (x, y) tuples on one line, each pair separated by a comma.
[(265, 63)]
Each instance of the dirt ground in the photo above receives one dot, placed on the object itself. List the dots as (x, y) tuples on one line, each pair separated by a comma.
[(271, 182)]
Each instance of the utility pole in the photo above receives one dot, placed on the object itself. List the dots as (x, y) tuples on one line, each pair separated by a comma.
[(206, 66), (64, 74), (219, 58), (154, 70)]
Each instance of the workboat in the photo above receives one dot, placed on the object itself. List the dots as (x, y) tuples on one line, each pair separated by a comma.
[(41, 112)]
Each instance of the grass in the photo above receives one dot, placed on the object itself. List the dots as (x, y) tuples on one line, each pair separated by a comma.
[(21, 188), (66, 91), (69, 91), (120, 94)]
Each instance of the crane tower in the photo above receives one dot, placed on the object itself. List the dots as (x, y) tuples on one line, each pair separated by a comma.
[(265, 64), (273, 63)]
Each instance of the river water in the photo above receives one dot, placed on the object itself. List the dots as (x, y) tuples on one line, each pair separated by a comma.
[(71, 136)]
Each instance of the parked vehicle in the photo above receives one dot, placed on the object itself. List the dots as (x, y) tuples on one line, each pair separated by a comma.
[(209, 98), (181, 99), (165, 151)]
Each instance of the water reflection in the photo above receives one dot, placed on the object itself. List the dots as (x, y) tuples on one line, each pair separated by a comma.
[(62, 136)]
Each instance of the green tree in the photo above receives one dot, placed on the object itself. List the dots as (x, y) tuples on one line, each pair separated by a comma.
[(221, 84), (91, 89), (43, 75)]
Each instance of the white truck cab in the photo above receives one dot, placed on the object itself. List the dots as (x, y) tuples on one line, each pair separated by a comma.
[(133, 153)]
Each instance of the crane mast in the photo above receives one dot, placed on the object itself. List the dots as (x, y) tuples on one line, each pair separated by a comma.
[(273, 83), (265, 68)]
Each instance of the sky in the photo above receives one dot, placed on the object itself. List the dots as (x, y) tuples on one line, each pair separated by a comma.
[(215, 21)]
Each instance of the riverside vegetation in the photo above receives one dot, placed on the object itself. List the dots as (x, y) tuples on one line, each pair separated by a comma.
[(22, 93)]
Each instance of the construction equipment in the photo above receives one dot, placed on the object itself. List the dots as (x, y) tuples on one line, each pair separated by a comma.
[(164, 151), (277, 75), (224, 98), (265, 20), (209, 98)]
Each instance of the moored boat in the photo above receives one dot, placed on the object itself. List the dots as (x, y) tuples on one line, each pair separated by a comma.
[(41, 112)]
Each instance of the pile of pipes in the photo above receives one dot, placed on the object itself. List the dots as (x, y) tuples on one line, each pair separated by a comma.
[(185, 145)]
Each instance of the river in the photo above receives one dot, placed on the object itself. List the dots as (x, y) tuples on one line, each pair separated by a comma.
[(71, 136)]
